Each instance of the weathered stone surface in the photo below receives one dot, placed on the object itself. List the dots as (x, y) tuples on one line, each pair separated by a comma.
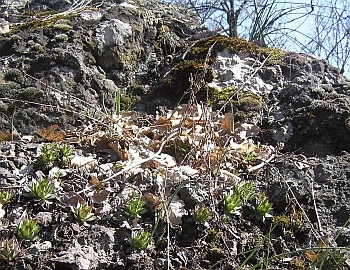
[(309, 105), (78, 62), (68, 73)]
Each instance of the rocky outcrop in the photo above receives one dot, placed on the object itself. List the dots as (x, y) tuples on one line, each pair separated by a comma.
[(78, 59), (308, 108), (287, 135)]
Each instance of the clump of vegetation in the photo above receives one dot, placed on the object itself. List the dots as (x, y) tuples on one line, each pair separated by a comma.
[(261, 207), (5, 196), (175, 86), (232, 203), (62, 26), (183, 71), (27, 230), (132, 95), (134, 207), (15, 75), (202, 214), (49, 154), (127, 101), (137, 90), (62, 21), (213, 96), (42, 21), (272, 53), (83, 213), (140, 240), (41, 191), (334, 261), (234, 45), (248, 157), (52, 153), (247, 101), (9, 249), (290, 222), (29, 92), (37, 48), (61, 37), (245, 191), (65, 154), (6, 89)]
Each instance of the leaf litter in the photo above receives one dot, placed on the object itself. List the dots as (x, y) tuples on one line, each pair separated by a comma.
[(190, 148)]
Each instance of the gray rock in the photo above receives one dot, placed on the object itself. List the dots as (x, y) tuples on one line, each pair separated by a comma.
[(103, 51), (112, 33), (159, 262), (44, 218)]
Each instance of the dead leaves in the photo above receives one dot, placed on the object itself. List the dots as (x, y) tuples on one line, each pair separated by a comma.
[(49, 134), (120, 148), (313, 256), (5, 136)]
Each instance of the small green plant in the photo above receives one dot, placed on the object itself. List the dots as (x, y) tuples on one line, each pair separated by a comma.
[(61, 37), (293, 221), (248, 156), (127, 101), (334, 261), (214, 235), (231, 203), (37, 48), (65, 153), (41, 191), (180, 146), (9, 249), (49, 154), (5, 196), (202, 214), (261, 207), (89, 113), (117, 102), (245, 190), (83, 213), (183, 146), (27, 230), (134, 207), (140, 240), (62, 26)]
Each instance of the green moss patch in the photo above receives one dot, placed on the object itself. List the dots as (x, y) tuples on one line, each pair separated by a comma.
[(273, 54), (133, 95), (40, 22), (235, 45), (7, 90), (62, 26), (15, 75), (213, 96)]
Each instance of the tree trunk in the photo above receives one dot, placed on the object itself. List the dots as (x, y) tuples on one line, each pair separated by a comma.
[(232, 23)]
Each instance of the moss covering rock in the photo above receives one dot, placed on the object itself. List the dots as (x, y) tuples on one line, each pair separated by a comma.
[(8, 89), (235, 45)]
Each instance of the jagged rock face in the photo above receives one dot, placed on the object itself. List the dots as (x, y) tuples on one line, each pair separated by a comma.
[(306, 101), (308, 108), (78, 62), (69, 72)]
